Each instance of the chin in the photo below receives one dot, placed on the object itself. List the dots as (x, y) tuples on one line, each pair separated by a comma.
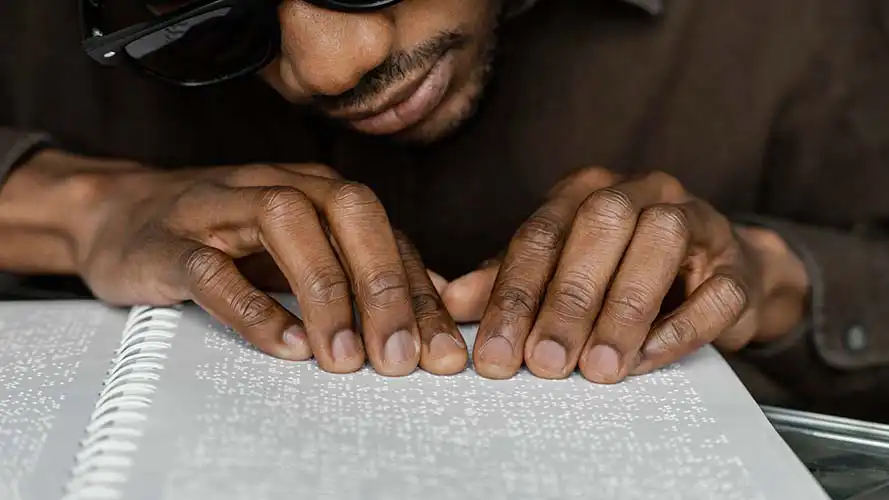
[(441, 123), (450, 115)]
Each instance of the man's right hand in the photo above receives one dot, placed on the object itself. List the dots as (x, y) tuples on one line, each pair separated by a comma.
[(159, 238)]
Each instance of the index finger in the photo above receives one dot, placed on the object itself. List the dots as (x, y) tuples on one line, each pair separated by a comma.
[(366, 245), (215, 284), (281, 221)]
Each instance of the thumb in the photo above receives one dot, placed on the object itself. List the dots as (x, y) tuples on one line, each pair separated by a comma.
[(438, 282), (467, 297)]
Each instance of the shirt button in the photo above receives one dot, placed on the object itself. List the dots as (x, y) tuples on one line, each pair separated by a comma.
[(856, 338)]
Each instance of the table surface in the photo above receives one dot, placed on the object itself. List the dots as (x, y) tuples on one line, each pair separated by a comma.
[(850, 458)]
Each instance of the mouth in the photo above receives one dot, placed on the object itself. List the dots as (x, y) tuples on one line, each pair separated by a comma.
[(406, 105)]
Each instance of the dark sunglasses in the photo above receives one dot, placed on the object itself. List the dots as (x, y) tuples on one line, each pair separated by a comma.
[(194, 43)]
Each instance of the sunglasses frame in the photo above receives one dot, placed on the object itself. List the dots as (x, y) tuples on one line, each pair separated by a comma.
[(109, 49)]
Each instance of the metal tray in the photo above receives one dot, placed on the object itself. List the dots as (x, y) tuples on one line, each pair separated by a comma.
[(850, 458)]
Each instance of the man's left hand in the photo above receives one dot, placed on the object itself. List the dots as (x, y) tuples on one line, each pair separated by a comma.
[(587, 283)]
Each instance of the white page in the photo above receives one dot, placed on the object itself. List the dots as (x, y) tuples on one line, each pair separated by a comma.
[(53, 356), (229, 422)]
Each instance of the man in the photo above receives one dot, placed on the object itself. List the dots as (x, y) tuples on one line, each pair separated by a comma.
[(160, 162)]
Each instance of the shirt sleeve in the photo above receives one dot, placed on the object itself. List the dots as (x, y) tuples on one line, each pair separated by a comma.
[(825, 190), (15, 145)]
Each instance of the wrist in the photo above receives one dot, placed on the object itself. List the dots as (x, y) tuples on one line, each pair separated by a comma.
[(49, 205), (785, 284)]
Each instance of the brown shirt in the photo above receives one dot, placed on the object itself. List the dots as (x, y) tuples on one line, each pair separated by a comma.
[(774, 108)]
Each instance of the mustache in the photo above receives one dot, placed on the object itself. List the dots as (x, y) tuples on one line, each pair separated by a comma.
[(396, 67)]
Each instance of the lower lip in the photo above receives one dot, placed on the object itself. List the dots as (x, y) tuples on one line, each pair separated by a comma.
[(412, 110)]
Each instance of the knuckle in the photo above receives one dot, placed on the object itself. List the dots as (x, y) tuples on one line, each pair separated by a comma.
[(183, 204), (92, 188), (729, 297), (252, 307), (593, 177), (542, 233), (668, 220), (257, 173), (351, 196), (608, 207), (203, 266), (326, 284), (405, 246), (597, 175), (319, 170), (385, 287), (671, 188), (515, 299), (426, 305), (574, 297), (279, 200), (283, 203), (677, 332), (400, 236), (631, 306)]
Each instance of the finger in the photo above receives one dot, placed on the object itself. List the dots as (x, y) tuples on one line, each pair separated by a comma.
[(367, 247), (216, 285), (321, 286), (602, 229), (712, 308), (438, 282), (646, 273), (364, 236), (466, 297), (283, 222), (443, 350)]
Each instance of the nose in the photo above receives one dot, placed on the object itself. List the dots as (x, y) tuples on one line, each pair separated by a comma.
[(328, 52)]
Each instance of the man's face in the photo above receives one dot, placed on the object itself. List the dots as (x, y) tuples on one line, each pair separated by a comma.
[(413, 71)]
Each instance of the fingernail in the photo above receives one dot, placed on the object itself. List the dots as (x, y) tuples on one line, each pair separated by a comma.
[(653, 347), (603, 363), (550, 355), (644, 366), (344, 345), (497, 351), (443, 344), (400, 347), (295, 336), (297, 343)]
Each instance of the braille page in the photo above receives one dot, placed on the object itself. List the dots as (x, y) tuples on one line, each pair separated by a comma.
[(229, 422), (53, 356)]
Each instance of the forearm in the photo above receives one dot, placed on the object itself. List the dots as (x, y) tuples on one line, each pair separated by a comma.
[(44, 206)]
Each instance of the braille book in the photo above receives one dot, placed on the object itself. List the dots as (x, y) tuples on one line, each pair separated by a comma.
[(166, 404)]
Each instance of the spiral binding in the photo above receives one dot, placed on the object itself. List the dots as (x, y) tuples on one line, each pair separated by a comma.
[(116, 424)]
